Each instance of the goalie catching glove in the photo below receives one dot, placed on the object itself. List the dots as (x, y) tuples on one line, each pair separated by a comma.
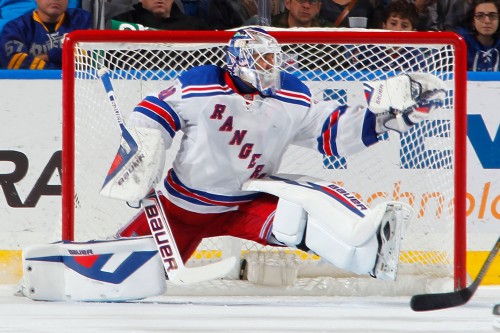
[(138, 165), (403, 101)]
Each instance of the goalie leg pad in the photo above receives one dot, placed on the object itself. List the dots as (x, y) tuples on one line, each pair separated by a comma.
[(115, 270), (289, 222), (324, 242), (357, 259), (378, 255), (345, 235), (356, 254), (351, 254)]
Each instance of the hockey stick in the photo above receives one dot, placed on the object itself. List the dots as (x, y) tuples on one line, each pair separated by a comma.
[(428, 302), (157, 220)]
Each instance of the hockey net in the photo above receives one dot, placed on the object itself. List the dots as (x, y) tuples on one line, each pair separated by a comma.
[(424, 167)]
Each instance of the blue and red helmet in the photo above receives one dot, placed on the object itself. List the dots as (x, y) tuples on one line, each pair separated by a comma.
[(255, 56)]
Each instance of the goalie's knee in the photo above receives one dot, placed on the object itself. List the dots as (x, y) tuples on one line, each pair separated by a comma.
[(289, 223), (293, 227)]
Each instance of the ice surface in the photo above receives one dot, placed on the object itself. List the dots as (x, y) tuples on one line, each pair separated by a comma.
[(245, 314)]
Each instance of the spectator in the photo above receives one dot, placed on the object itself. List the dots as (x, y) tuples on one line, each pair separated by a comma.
[(228, 14), (34, 40), (300, 13), (305, 13), (439, 15), (482, 37), (400, 15), (463, 8), (339, 11), (427, 14), (160, 15)]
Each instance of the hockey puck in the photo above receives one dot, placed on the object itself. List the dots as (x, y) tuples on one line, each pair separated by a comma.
[(496, 310)]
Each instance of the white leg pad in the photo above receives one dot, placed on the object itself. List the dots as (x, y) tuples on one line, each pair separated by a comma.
[(339, 228), (114, 270), (289, 222), (358, 259), (356, 254), (360, 256)]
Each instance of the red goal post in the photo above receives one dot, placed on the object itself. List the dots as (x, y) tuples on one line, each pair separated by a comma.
[(425, 167)]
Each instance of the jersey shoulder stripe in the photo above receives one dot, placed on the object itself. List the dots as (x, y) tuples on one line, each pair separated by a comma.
[(202, 81), (293, 91), (327, 139), (293, 97), (161, 112), (208, 90)]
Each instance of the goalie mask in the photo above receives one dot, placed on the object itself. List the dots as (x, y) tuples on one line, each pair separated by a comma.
[(255, 56)]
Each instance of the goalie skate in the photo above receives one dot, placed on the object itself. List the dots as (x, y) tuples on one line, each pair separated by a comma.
[(389, 235)]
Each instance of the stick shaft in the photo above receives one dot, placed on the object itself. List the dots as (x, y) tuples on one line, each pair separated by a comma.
[(157, 221)]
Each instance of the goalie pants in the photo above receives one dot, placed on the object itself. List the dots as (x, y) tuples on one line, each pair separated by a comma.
[(251, 221)]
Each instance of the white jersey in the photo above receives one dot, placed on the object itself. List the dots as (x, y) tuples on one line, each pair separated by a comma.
[(230, 137)]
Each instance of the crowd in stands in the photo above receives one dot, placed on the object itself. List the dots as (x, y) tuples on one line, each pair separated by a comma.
[(32, 31)]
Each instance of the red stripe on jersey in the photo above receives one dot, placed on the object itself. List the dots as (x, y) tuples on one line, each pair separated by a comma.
[(159, 111), (327, 145), (295, 95), (183, 190), (191, 89)]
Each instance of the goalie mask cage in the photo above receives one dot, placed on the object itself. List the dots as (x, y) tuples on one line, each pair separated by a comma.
[(424, 167)]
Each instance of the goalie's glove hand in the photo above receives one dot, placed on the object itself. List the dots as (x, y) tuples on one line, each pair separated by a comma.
[(401, 121), (401, 102)]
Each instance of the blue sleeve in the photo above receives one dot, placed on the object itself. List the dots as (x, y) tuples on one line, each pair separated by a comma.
[(202, 75), (292, 83), (14, 50)]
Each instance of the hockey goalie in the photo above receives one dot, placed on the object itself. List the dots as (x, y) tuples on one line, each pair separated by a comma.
[(236, 124)]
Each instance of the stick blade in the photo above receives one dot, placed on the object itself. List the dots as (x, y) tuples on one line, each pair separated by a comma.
[(213, 271), (429, 302)]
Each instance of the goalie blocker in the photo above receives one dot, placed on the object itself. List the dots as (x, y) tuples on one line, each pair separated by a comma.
[(114, 270), (138, 165)]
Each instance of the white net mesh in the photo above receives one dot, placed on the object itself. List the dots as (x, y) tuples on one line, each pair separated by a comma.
[(417, 168)]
